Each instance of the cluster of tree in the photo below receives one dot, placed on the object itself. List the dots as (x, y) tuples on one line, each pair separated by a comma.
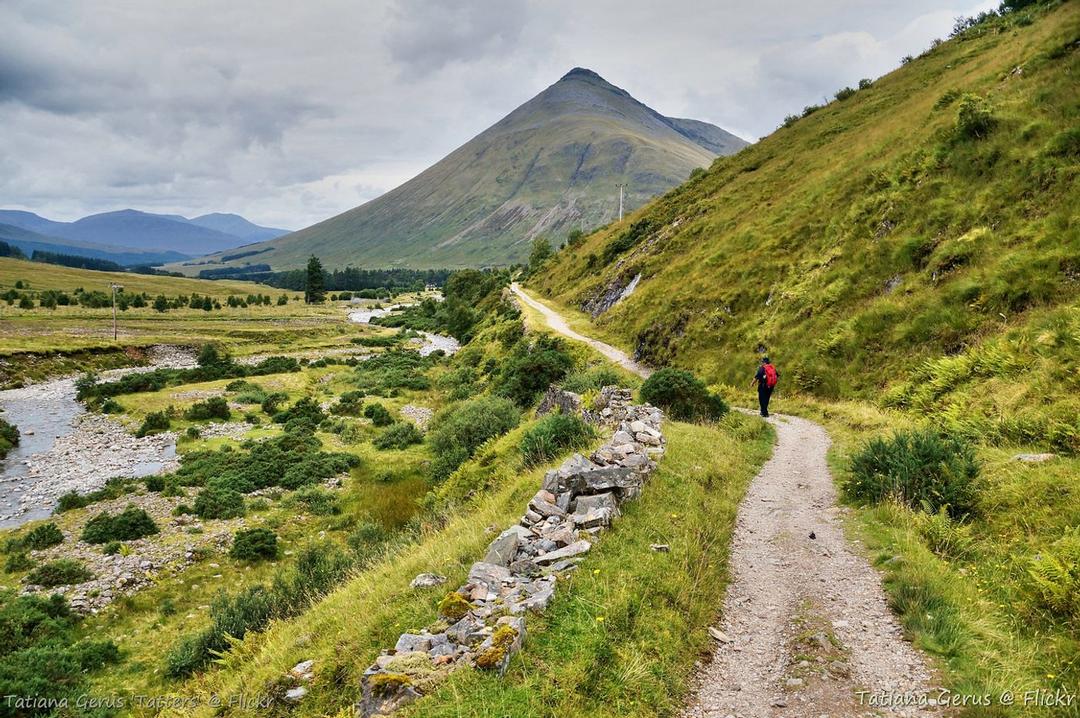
[(73, 260), (352, 279), (10, 250), (234, 272)]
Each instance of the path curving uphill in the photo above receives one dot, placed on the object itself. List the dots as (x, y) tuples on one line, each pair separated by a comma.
[(806, 630)]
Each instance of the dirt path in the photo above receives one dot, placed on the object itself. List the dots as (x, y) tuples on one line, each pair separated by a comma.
[(556, 322), (806, 630)]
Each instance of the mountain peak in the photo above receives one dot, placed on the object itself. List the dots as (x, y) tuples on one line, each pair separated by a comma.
[(581, 73)]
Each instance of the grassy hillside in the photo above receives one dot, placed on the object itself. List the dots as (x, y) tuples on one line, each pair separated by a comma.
[(910, 257), (915, 237), (550, 166)]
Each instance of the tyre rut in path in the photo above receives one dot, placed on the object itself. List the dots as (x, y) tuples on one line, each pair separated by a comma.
[(806, 629)]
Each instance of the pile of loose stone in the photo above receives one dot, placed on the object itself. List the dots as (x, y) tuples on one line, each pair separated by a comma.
[(482, 624)]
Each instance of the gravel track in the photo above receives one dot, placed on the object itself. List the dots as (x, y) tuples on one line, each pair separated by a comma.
[(806, 630)]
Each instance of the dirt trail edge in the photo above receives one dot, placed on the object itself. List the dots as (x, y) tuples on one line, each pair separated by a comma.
[(556, 322), (806, 630)]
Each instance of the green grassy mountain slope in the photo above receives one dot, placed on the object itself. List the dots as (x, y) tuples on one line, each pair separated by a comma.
[(549, 166), (918, 237)]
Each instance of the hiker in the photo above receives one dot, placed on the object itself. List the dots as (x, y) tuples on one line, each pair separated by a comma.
[(766, 379)]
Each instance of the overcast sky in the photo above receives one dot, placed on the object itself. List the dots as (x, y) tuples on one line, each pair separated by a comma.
[(289, 112)]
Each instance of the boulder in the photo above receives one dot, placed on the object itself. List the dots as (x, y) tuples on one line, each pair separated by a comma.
[(587, 503), (413, 642), (556, 399)]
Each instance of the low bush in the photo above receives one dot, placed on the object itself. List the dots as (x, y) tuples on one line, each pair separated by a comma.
[(1054, 576), (130, 524), (40, 654), (154, 484), (318, 568), (213, 408), (682, 395), (154, 423), (9, 438), (305, 410), (316, 500), (366, 540), (254, 545), (61, 572), (271, 402), (18, 561), (594, 379), (974, 117), (553, 435), (531, 369), (351, 403), (923, 469), (43, 536), (218, 503), (378, 414), (399, 435), (457, 432), (114, 488)]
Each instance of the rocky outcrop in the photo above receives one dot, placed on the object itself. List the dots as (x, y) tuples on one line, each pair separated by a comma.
[(614, 292), (559, 400), (482, 623)]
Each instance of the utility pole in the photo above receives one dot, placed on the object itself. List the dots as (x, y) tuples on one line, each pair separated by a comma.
[(621, 186), (114, 287)]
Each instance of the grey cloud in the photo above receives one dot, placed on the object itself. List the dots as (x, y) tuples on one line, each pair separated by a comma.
[(289, 112)]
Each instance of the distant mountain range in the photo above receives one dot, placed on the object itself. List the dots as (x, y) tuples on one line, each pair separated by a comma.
[(552, 165), (132, 237)]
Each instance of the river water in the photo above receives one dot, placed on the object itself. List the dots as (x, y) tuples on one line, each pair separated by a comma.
[(64, 448), (431, 343)]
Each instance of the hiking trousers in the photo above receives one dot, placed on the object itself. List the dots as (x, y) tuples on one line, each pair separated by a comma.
[(764, 393)]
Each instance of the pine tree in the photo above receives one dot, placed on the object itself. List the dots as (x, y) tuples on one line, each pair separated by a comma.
[(315, 288)]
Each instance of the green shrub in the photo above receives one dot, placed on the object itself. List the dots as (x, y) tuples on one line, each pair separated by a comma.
[(682, 395), (61, 572), (18, 561), (553, 435), (254, 545), (400, 435), (923, 469), (40, 654), (154, 423), (218, 503), (130, 524), (304, 411), (271, 403), (111, 406), (9, 438), (43, 536), (155, 484), (366, 541), (974, 117), (316, 500), (582, 381), (531, 368), (317, 569), (457, 432), (351, 403), (378, 414), (213, 408), (1054, 576), (112, 548)]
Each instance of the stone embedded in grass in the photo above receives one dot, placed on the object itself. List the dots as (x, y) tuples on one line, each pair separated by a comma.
[(427, 580)]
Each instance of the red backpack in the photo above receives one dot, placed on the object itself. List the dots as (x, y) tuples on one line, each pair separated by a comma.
[(770, 376)]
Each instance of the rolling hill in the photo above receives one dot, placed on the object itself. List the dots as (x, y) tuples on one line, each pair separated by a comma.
[(29, 242), (550, 166), (915, 239), (130, 232)]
